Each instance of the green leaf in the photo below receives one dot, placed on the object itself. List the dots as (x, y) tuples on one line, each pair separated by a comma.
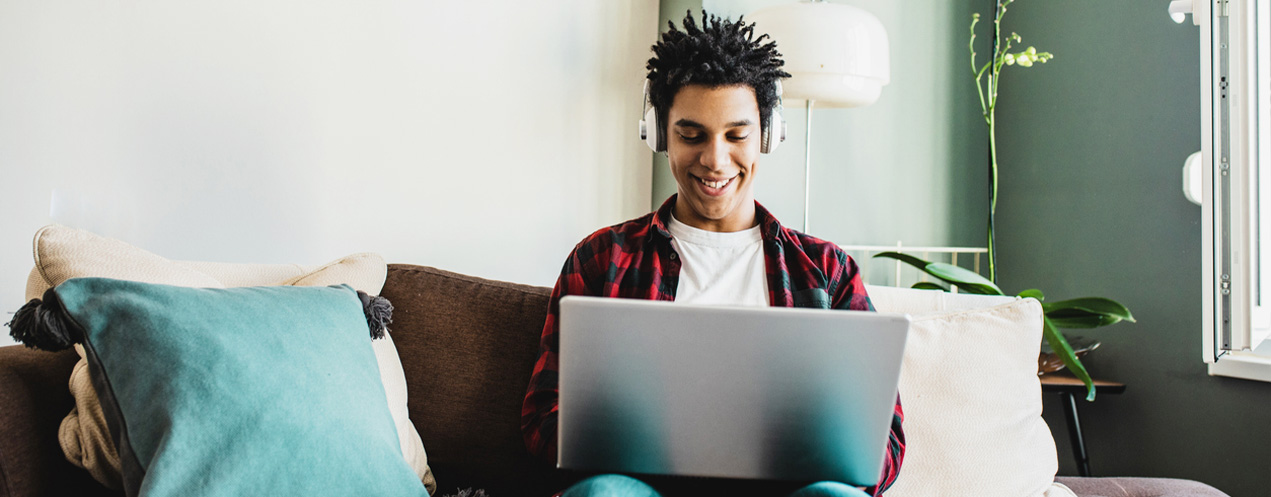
[(905, 258), (1078, 318), (965, 279), (927, 285), (1069, 358), (1034, 293), (1093, 305)]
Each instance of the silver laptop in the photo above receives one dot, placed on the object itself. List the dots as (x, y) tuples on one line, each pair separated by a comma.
[(732, 392)]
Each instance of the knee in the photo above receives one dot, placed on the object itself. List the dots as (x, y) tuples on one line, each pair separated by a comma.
[(611, 486), (829, 489)]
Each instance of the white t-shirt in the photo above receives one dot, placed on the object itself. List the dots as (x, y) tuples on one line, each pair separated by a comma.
[(719, 268)]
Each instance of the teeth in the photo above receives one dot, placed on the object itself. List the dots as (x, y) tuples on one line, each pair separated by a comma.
[(715, 184)]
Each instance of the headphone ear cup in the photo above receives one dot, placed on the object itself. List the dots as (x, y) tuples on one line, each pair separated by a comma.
[(775, 131), (774, 134), (764, 135), (653, 131)]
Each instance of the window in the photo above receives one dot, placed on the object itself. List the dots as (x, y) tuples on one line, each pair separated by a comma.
[(1236, 203)]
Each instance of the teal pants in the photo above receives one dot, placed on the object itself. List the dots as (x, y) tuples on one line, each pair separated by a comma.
[(626, 486)]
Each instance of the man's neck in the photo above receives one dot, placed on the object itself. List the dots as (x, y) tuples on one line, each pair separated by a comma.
[(741, 219)]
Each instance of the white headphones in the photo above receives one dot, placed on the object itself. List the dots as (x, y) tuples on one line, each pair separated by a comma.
[(657, 140)]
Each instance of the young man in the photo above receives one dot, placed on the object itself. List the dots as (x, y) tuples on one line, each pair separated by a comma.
[(715, 88)]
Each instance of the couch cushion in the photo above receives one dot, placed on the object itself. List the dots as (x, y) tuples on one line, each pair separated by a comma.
[(62, 253), (261, 390), (33, 399), (468, 346), (913, 301), (972, 400), (1138, 487)]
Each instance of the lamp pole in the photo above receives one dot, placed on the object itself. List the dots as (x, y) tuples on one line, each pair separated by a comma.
[(807, 168), (837, 56)]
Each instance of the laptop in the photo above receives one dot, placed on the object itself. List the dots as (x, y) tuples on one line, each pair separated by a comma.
[(728, 392)]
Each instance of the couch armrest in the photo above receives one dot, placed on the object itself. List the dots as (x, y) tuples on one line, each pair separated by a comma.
[(34, 398), (1138, 487)]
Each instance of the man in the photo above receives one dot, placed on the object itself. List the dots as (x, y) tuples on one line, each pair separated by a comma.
[(715, 89)]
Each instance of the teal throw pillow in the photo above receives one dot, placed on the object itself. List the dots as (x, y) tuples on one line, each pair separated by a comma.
[(231, 392)]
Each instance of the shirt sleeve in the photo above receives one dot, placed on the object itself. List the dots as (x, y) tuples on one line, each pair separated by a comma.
[(847, 288), (540, 408), (849, 293), (895, 452)]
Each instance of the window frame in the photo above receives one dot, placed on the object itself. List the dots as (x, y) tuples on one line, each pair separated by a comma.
[(1230, 223)]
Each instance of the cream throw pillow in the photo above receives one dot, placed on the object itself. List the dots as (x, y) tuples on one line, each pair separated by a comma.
[(63, 253), (972, 400)]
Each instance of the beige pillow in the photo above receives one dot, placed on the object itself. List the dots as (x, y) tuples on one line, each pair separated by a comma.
[(972, 400), (922, 302), (62, 253)]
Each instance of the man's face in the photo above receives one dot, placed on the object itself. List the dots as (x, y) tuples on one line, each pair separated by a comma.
[(713, 146)]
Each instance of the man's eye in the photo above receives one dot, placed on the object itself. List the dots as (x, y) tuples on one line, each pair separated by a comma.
[(691, 138), (739, 138)]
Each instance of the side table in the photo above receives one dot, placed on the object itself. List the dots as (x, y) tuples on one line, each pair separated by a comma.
[(1069, 388)]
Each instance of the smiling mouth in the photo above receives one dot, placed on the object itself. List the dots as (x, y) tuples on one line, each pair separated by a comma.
[(716, 185)]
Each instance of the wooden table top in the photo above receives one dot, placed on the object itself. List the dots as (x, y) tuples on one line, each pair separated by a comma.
[(1064, 382)]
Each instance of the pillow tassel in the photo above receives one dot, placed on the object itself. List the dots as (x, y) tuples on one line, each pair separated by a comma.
[(379, 313), (45, 325)]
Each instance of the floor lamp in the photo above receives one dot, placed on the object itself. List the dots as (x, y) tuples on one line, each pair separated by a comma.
[(837, 56)]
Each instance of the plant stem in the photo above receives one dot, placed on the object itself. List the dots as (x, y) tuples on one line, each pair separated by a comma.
[(992, 255), (995, 68)]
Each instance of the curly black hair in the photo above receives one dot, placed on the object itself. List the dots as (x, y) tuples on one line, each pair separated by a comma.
[(720, 53)]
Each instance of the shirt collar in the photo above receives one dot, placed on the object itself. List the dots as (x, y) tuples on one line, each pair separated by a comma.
[(770, 227), (663, 216)]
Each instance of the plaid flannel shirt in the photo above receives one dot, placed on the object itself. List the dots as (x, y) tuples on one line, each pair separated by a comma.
[(635, 260)]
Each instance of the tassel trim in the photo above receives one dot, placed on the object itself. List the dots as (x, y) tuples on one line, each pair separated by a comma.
[(45, 325), (379, 313)]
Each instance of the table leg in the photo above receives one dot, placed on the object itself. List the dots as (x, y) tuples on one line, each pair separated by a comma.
[(1074, 431)]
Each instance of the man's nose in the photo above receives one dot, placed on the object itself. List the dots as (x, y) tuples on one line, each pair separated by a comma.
[(716, 154)]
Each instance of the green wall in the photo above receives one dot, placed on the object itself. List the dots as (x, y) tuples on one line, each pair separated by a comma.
[(910, 167), (1092, 145), (1091, 148)]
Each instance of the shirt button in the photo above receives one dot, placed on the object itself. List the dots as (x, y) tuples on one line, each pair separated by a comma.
[(674, 256)]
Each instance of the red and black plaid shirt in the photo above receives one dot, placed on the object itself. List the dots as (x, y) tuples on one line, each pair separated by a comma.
[(635, 260)]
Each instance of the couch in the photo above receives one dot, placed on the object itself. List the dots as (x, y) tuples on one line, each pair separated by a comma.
[(467, 347)]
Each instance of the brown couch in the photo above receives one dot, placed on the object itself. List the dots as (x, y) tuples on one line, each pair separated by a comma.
[(467, 346)]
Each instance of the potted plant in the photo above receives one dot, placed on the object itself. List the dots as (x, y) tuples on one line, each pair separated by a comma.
[(1086, 312)]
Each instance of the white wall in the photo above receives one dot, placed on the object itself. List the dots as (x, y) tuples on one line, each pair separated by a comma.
[(480, 137)]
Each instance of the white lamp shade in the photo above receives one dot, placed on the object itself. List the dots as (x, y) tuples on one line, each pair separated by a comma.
[(837, 55)]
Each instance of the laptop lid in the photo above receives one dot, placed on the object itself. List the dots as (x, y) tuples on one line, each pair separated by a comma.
[(734, 392)]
